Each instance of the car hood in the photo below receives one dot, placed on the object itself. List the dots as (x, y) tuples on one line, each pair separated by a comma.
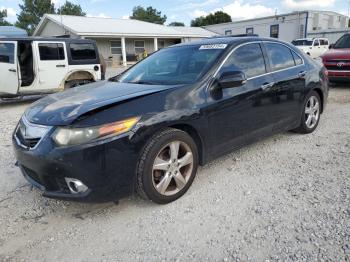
[(337, 54), (65, 107)]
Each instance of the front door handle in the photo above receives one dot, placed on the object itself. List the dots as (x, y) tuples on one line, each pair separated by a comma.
[(60, 65), (12, 70), (302, 74), (267, 86)]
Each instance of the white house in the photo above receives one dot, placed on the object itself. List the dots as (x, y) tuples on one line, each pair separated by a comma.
[(286, 27), (119, 40)]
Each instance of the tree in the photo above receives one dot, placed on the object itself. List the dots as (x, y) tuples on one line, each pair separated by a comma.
[(176, 24), (211, 19), (3, 15), (148, 14), (31, 13), (70, 9)]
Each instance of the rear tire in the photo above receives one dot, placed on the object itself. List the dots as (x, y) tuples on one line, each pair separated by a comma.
[(167, 166), (311, 114)]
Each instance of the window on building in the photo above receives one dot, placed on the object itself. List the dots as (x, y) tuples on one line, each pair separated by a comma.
[(7, 53), (301, 31), (274, 31), (161, 44), (116, 47), (280, 56), (139, 46), (82, 51), (248, 59), (51, 51), (249, 31), (228, 32)]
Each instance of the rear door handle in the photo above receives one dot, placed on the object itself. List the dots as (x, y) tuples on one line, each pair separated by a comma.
[(302, 74), (267, 86), (60, 65), (12, 70)]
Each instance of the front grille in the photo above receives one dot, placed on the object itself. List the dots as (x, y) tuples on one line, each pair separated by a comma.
[(338, 68), (28, 135)]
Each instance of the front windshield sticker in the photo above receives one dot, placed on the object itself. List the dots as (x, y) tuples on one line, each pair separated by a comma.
[(217, 46)]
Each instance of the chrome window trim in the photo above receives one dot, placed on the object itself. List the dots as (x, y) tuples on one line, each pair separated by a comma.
[(260, 42), (47, 129)]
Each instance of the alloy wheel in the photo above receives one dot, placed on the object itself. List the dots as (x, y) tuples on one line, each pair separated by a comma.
[(172, 168), (312, 112)]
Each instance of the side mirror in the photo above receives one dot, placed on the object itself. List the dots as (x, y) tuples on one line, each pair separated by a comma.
[(231, 79), (331, 46)]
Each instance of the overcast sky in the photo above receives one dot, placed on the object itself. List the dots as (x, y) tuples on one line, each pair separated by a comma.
[(185, 10)]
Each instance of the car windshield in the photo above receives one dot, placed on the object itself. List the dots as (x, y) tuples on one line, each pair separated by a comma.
[(173, 66), (343, 42), (302, 42)]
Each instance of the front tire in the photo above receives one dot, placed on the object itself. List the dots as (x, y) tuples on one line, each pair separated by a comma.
[(167, 166), (311, 114)]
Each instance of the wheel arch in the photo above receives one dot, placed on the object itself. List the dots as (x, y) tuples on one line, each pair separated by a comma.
[(78, 75), (196, 138), (320, 93)]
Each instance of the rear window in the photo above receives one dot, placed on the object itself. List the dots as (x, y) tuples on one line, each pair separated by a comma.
[(7, 53), (51, 51), (82, 51)]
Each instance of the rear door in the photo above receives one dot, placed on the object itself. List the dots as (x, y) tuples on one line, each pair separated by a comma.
[(52, 64), (8, 68), (289, 73)]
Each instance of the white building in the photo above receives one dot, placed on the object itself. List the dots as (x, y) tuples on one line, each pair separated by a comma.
[(119, 40), (286, 27)]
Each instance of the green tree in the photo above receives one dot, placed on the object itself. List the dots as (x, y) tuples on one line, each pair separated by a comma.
[(31, 13), (70, 9), (3, 15), (176, 24), (211, 19), (148, 14)]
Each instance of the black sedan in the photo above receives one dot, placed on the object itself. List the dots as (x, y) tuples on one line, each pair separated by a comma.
[(148, 129)]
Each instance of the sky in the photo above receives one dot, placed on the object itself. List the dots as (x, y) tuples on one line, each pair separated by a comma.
[(186, 10)]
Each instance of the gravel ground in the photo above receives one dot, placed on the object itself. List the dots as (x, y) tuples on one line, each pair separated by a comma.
[(286, 198)]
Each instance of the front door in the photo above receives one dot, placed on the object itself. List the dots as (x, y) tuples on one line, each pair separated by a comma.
[(8, 68), (52, 64), (238, 115)]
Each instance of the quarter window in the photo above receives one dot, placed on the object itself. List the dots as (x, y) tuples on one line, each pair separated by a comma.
[(139, 46), (280, 56), (297, 59), (51, 51), (7, 53), (248, 59), (82, 51), (274, 31), (116, 47)]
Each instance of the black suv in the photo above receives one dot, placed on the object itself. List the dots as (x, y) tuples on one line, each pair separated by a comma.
[(149, 128)]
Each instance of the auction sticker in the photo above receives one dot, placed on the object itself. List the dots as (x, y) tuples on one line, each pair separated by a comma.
[(215, 46)]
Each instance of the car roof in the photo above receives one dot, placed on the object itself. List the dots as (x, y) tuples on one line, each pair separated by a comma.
[(229, 40), (47, 39)]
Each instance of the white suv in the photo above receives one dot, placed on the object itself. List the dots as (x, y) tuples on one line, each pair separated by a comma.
[(314, 47), (45, 65)]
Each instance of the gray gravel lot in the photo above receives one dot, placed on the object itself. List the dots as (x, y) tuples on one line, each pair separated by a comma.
[(286, 198)]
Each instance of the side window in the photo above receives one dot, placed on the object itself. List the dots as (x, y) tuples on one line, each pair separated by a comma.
[(274, 31), (297, 59), (280, 56), (7, 53), (248, 59), (51, 51), (316, 43), (82, 51)]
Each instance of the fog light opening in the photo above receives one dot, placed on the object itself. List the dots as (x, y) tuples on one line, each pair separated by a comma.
[(76, 186)]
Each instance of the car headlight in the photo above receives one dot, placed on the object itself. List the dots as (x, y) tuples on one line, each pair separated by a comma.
[(74, 136)]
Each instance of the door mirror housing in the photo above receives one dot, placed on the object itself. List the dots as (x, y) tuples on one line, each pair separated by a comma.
[(231, 79)]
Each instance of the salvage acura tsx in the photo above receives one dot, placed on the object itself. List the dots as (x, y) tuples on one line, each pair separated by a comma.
[(148, 129)]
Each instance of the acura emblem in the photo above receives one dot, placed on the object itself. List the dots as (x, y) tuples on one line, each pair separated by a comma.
[(340, 64)]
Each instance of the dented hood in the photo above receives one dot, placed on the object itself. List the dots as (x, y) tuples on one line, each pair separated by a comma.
[(65, 107)]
